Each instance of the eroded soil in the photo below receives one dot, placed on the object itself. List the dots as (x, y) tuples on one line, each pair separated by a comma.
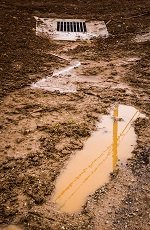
[(40, 130)]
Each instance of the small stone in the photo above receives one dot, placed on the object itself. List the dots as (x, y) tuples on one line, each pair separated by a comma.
[(106, 222), (19, 140), (109, 212)]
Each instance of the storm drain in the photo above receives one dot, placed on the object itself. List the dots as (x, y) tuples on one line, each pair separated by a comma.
[(70, 29)]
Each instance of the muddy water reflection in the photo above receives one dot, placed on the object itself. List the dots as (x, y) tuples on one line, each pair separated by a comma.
[(90, 168)]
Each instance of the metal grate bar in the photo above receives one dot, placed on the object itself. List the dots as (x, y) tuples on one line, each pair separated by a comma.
[(74, 27), (84, 27), (78, 28), (65, 29), (61, 26), (81, 26), (71, 27), (68, 27), (58, 26)]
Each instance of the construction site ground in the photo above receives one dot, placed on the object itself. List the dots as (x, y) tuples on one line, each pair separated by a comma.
[(40, 130)]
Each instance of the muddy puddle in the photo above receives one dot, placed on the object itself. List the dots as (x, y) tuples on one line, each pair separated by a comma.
[(69, 78), (12, 227), (60, 80), (65, 80), (89, 169)]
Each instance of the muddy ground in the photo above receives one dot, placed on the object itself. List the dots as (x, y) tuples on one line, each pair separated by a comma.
[(40, 130)]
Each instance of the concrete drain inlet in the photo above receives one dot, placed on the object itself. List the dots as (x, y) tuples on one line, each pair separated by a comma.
[(70, 29)]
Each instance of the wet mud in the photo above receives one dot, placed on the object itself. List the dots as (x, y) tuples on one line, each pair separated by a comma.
[(40, 130)]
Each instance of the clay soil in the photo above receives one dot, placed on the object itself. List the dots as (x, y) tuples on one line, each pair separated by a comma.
[(40, 130)]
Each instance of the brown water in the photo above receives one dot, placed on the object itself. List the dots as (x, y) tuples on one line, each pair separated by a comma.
[(89, 169), (12, 227)]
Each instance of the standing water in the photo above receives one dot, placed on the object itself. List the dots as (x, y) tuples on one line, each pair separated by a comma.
[(60, 80), (89, 169)]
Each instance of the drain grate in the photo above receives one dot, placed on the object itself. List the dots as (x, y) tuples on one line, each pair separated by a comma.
[(71, 27)]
